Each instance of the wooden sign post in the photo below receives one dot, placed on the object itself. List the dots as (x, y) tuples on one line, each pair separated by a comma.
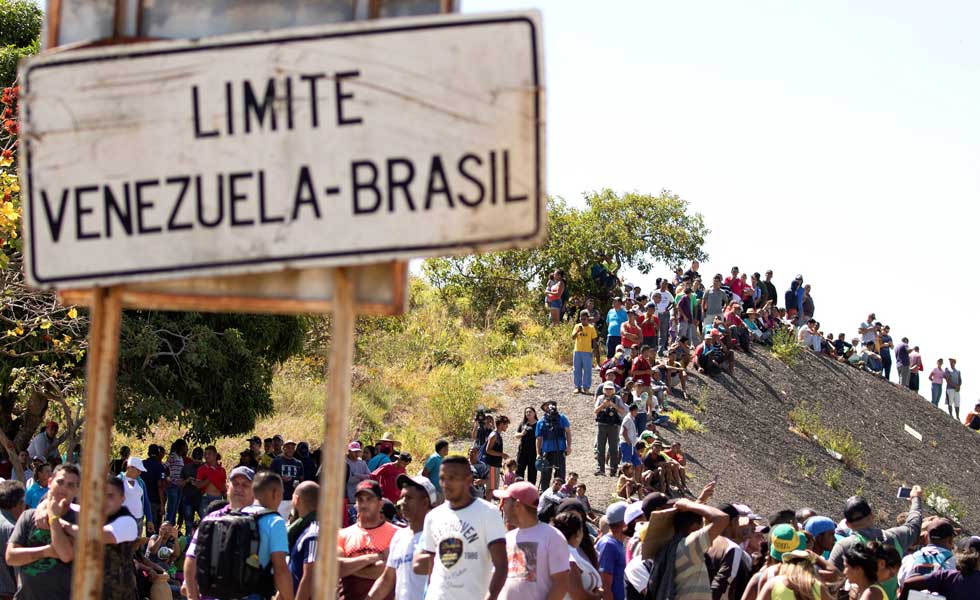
[(291, 171)]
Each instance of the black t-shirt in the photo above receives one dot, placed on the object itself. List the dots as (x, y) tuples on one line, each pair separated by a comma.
[(191, 493), (527, 447), (291, 471), (45, 579)]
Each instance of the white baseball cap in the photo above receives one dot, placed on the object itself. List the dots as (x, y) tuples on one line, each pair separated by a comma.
[(136, 463), (419, 481)]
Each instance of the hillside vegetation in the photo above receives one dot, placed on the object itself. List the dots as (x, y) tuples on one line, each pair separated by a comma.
[(420, 376)]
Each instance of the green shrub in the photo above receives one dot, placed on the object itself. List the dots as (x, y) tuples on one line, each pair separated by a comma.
[(701, 404), (832, 477), (843, 443), (806, 419), (685, 422), (806, 469), (786, 347)]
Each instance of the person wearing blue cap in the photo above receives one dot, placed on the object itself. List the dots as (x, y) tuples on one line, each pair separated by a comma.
[(612, 551), (822, 529)]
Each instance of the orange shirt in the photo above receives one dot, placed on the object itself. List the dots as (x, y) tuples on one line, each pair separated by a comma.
[(356, 541)]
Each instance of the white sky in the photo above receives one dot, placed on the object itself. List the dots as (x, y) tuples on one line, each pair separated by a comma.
[(836, 140), (829, 139)]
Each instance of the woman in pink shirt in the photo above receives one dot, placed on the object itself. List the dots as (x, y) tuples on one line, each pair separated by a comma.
[(936, 377)]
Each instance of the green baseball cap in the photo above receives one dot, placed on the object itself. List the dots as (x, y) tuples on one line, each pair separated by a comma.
[(784, 538)]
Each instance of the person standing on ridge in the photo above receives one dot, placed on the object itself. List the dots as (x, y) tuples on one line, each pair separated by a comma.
[(614, 320), (937, 377), (885, 344), (915, 367), (902, 362), (954, 379), (584, 335)]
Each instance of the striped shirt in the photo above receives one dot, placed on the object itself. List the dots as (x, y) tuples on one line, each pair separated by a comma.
[(174, 464), (690, 572)]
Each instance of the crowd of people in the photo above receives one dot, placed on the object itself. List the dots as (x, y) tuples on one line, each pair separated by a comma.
[(507, 518), (651, 339), (471, 526)]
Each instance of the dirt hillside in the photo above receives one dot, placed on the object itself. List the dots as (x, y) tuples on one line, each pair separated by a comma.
[(760, 458)]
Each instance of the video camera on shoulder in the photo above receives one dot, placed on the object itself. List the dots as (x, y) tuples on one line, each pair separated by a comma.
[(481, 415)]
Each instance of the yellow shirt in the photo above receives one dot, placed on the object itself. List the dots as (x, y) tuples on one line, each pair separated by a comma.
[(584, 334)]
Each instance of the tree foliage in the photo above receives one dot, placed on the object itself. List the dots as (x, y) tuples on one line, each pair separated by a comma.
[(631, 229), (20, 26), (211, 373)]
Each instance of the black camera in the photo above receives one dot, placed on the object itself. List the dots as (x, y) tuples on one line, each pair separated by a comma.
[(481, 415)]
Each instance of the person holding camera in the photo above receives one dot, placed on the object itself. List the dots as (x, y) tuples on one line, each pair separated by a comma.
[(553, 441), (609, 412)]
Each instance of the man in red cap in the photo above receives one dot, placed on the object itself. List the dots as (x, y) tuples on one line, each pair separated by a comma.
[(45, 444), (364, 545), (537, 554)]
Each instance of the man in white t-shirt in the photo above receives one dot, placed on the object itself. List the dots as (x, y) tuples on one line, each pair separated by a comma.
[(627, 435), (537, 554), (121, 525), (462, 543), (418, 496), (119, 534), (867, 329)]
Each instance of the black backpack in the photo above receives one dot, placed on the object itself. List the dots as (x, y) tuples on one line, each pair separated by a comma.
[(228, 556)]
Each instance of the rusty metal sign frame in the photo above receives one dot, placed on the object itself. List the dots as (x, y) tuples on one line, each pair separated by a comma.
[(106, 305)]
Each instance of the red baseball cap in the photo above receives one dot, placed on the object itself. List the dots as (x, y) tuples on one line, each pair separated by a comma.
[(524, 492), (369, 485)]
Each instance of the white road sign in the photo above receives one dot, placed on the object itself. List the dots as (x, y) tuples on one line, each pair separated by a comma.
[(308, 147)]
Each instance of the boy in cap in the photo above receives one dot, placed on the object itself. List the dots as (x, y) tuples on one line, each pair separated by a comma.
[(822, 529), (936, 555), (612, 552), (537, 554)]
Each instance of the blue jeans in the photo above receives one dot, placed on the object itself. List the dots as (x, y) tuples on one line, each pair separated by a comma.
[(190, 509), (937, 393), (173, 501), (611, 342), (582, 369), (205, 501)]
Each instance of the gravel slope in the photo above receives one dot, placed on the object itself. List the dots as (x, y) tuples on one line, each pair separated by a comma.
[(761, 461)]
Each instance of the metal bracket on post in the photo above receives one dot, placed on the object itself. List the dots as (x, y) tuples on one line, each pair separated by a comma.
[(103, 358), (332, 485)]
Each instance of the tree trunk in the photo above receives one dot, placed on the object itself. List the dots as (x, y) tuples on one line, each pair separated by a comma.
[(12, 452), (29, 423)]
